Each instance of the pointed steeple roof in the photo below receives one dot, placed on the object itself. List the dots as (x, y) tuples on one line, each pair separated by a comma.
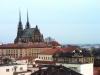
[(27, 16), (20, 23), (27, 23), (19, 16)]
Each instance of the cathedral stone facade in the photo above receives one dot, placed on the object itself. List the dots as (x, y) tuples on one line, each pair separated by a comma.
[(28, 35)]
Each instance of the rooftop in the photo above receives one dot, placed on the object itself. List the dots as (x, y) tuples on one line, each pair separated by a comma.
[(29, 58), (55, 43), (28, 32), (25, 45), (96, 70), (52, 51), (10, 64), (55, 70)]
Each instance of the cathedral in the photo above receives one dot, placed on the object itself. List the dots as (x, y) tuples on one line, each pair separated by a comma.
[(28, 35)]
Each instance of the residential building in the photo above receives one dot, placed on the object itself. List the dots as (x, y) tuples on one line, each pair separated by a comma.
[(25, 60), (76, 59), (73, 54), (22, 50), (14, 69), (83, 68), (47, 54)]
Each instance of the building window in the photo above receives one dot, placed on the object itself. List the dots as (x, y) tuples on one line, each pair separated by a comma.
[(51, 58), (21, 68), (48, 58), (7, 70)]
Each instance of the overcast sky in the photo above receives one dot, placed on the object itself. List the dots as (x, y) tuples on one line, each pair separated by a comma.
[(67, 21)]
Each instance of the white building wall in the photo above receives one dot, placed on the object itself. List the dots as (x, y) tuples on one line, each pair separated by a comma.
[(3, 69), (85, 69), (21, 66), (21, 61)]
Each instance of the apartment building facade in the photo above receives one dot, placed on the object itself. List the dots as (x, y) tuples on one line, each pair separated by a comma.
[(22, 50)]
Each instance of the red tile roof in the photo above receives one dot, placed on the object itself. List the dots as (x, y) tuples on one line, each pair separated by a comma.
[(57, 50), (96, 70), (55, 43), (25, 45), (51, 51), (70, 48), (29, 58)]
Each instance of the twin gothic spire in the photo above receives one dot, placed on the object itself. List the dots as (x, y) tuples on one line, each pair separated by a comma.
[(19, 16), (27, 23)]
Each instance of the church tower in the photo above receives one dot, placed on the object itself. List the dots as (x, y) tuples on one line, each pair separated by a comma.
[(28, 35), (27, 23), (20, 29)]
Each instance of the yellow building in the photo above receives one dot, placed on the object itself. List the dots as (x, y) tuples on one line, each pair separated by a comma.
[(71, 54), (21, 50), (47, 55)]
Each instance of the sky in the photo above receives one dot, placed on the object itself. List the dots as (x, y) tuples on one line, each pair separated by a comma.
[(66, 21)]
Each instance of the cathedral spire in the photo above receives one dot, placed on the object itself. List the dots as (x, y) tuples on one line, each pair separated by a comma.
[(27, 23), (27, 16), (20, 29), (20, 23), (19, 16)]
